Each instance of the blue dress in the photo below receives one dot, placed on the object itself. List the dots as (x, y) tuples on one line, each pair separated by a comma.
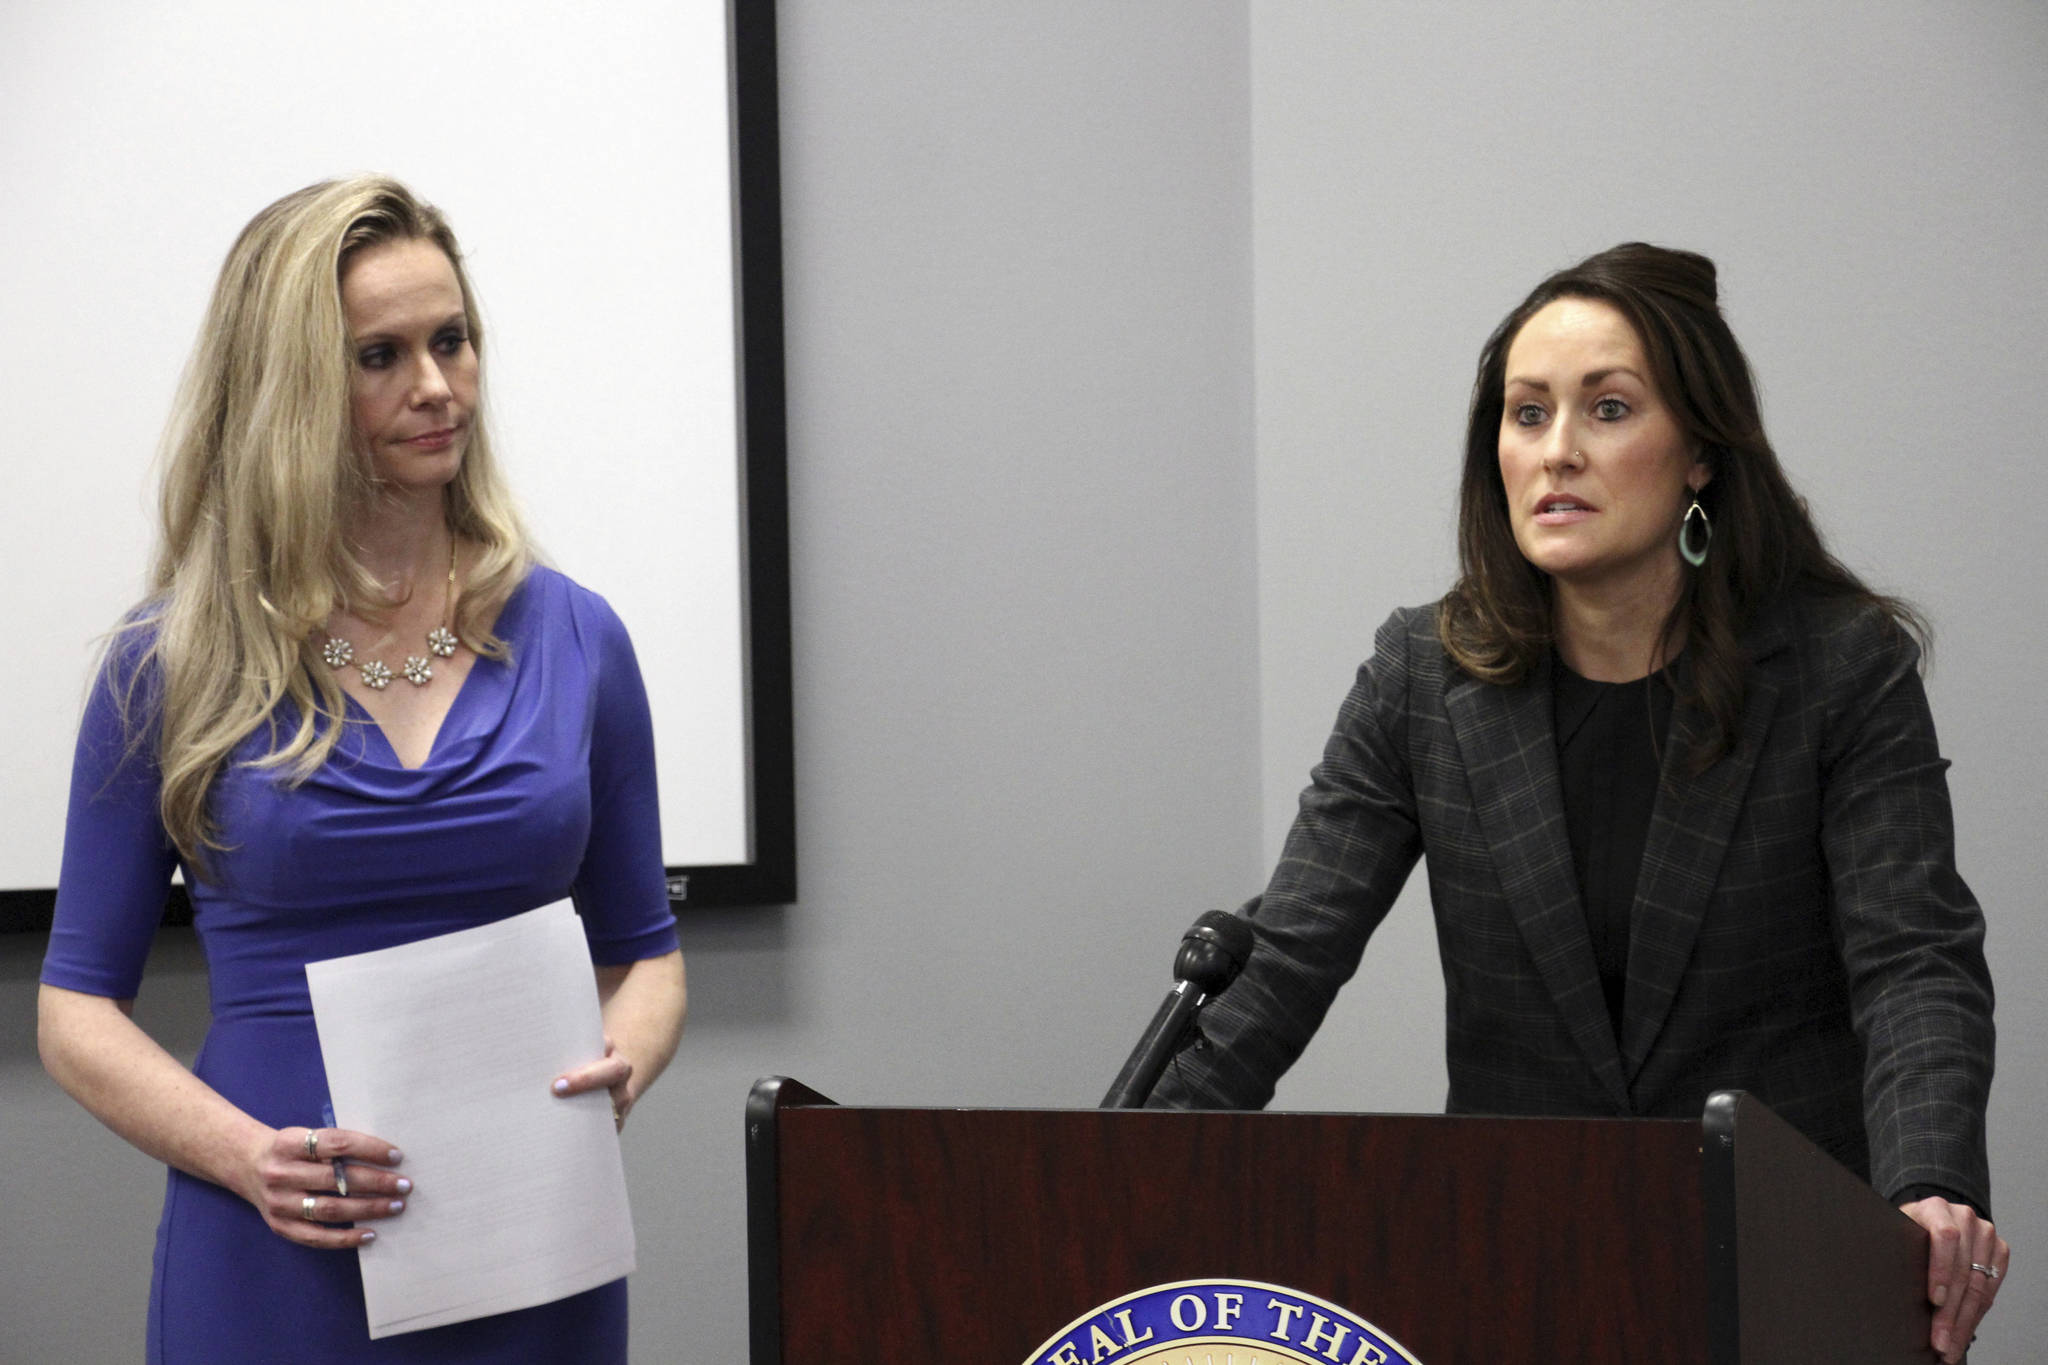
[(540, 784)]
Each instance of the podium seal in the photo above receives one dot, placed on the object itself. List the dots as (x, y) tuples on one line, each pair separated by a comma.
[(1220, 1322)]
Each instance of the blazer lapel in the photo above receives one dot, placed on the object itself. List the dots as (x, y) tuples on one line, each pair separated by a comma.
[(1683, 852), (1508, 741)]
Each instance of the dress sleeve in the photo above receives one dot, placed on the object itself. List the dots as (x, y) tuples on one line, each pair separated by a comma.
[(621, 889), (117, 864), (1912, 935), (1352, 845)]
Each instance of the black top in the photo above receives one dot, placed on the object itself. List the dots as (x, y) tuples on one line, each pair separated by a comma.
[(1610, 743)]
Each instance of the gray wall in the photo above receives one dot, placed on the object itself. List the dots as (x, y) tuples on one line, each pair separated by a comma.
[(1872, 179), (1019, 289), (1070, 626)]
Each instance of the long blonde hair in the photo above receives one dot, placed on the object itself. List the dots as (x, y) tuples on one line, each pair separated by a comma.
[(262, 474)]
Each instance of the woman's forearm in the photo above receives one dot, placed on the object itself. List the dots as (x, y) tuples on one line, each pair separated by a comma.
[(104, 1061), (644, 1004)]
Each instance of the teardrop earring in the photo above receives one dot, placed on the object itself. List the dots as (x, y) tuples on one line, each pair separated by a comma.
[(1695, 557)]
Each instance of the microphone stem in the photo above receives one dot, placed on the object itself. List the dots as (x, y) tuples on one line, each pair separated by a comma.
[(1133, 1085)]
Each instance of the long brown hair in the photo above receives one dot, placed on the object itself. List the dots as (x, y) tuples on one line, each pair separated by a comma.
[(1496, 623)]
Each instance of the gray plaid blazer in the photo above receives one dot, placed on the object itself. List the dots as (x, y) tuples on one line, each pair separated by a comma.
[(1799, 928)]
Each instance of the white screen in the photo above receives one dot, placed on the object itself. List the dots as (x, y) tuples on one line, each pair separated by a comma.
[(581, 152)]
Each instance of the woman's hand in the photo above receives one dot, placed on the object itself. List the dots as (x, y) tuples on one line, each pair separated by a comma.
[(1966, 1261), (612, 1072), (291, 1180), (643, 1005), (95, 1051)]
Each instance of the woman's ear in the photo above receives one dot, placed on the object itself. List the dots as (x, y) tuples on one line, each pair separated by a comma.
[(1701, 474)]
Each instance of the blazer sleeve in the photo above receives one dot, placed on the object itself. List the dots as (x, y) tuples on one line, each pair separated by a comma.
[(1352, 845), (1912, 935)]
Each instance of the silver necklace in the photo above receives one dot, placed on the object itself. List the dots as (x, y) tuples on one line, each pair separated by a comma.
[(418, 669)]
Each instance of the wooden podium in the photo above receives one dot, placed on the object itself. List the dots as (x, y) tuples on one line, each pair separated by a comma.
[(921, 1236)]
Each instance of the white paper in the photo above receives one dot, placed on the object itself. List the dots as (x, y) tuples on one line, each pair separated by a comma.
[(447, 1048)]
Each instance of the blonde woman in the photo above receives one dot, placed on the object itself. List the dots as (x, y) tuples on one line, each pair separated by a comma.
[(355, 713)]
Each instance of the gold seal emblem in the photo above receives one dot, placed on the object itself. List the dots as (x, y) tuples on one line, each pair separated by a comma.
[(1220, 1322), (1223, 1351)]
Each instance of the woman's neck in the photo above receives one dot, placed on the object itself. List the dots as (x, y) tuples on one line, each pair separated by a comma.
[(1615, 635), (403, 542)]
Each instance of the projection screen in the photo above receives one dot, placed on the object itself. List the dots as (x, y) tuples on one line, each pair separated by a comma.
[(612, 171)]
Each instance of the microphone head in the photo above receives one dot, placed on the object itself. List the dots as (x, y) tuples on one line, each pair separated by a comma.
[(1213, 951)]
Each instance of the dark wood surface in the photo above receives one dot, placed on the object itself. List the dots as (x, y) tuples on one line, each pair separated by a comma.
[(1828, 1270), (973, 1235)]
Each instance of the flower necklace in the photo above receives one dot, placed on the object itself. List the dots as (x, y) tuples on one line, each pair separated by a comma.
[(418, 668)]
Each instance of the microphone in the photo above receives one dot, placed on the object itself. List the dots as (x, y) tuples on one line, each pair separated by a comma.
[(1211, 954)]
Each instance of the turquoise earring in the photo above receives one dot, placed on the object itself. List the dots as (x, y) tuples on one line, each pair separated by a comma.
[(1695, 557)]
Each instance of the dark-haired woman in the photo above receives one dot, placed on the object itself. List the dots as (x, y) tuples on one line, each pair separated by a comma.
[(1676, 779)]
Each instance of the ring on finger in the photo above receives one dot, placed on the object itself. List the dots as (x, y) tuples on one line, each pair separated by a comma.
[(1989, 1272), (306, 1206), (312, 1144)]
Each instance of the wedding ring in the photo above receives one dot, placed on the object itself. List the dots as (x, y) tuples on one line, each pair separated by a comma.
[(1988, 1272), (312, 1147), (306, 1209)]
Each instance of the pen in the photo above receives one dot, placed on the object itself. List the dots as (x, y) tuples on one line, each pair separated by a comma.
[(340, 1175)]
